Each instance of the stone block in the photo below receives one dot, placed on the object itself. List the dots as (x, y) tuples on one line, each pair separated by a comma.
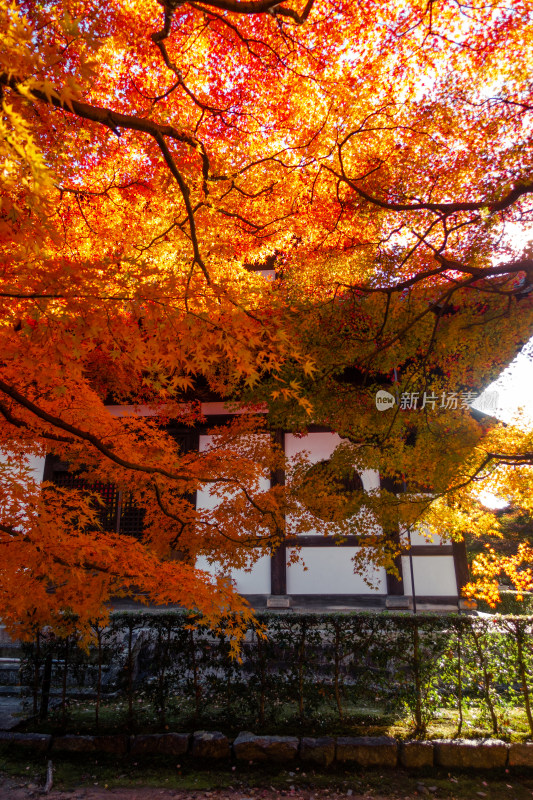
[(38, 742), (144, 744), (210, 744), (5, 638), (469, 754), (249, 747), (416, 755), (319, 751), (467, 604), (521, 754), (116, 745), (74, 744), (367, 751), (279, 601), (398, 601), (175, 744)]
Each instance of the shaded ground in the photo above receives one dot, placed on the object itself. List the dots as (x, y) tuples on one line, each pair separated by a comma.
[(87, 779), (12, 791)]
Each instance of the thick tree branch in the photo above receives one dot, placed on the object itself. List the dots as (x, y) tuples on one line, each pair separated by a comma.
[(105, 116), (20, 423), (185, 193), (519, 190), (15, 395), (512, 458), (449, 265), (259, 7), (450, 208), (114, 121)]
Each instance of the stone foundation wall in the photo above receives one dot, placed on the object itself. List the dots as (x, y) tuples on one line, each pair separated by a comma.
[(358, 751)]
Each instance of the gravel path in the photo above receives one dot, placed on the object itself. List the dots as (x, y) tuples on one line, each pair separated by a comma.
[(13, 790)]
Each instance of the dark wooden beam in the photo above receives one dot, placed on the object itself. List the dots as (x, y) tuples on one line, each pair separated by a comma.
[(395, 583), (318, 540), (460, 561), (430, 550), (278, 560)]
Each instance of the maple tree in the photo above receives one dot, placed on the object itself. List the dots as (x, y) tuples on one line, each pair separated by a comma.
[(376, 153)]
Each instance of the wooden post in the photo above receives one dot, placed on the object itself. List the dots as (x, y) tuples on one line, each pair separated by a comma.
[(460, 562), (395, 585), (278, 559)]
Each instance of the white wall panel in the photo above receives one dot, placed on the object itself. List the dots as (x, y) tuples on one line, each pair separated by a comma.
[(418, 537), (330, 571), (10, 471), (36, 464), (204, 498), (434, 575), (320, 447), (256, 581)]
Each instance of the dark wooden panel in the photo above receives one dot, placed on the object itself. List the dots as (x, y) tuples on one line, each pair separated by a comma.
[(435, 599), (278, 571), (319, 429), (395, 584), (277, 476), (318, 602), (430, 550), (460, 561), (50, 464), (186, 438), (217, 420), (278, 560), (318, 540)]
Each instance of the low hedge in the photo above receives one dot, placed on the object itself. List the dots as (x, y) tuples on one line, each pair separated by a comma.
[(363, 659)]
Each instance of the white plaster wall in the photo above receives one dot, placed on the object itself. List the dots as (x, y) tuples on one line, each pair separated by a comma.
[(319, 447), (255, 581), (330, 571), (434, 575), (9, 472), (34, 463), (130, 411), (204, 498), (418, 537)]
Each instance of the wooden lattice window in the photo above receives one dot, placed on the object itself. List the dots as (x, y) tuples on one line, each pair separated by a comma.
[(118, 513)]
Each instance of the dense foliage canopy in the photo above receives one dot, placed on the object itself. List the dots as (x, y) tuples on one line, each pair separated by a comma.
[(376, 153)]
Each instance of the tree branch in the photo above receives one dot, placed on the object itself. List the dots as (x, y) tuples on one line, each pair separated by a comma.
[(185, 193), (273, 7), (521, 188), (15, 395)]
